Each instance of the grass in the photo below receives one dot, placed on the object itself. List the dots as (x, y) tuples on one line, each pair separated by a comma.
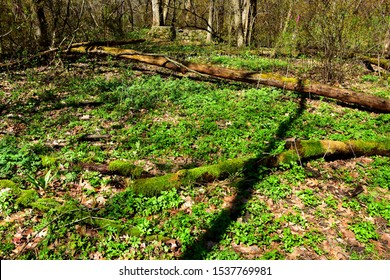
[(154, 125)]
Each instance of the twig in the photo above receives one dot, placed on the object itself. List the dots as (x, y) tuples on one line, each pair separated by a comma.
[(353, 152), (296, 149), (326, 151)]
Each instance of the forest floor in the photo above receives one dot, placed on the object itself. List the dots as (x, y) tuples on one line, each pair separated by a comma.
[(63, 124)]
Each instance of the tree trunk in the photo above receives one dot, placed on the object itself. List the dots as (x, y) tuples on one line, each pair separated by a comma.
[(387, 45), (165, 8), (244, 12), (295, 84), (210, 21), (237, 7), (42, 27), (248, 13), (383, 63), (157, 13)]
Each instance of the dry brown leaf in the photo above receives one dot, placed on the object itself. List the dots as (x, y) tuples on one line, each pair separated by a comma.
[(173, 244), (247, 250)]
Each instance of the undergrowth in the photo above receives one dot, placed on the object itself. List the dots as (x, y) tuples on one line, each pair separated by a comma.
[(65, 197)]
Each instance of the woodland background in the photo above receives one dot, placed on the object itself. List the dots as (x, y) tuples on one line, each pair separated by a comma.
[(328, 28)]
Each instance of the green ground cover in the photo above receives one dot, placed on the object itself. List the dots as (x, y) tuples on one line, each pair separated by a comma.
[(54, 205)]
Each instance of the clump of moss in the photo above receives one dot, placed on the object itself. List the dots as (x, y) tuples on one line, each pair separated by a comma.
[(27, 197), (154, 186), (311, 148), (8, 184), (156, 237), (134, 231), (287, 157), (125, 168), (45, 204), (107, 223), (48, 161)]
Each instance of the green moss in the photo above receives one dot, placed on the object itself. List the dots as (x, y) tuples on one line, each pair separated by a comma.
[(367, 147), (134, 231), (212, 172), (125, 168), (27, 197), (287, 157), (311, 148), (106, 223), (154, 186), (5, 184), (48, 161), (45, 204), (8, 184)]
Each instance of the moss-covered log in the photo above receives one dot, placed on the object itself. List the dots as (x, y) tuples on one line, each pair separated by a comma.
[(307, 149), (381, 62), (153, 186), (295, 151), (305, 86)]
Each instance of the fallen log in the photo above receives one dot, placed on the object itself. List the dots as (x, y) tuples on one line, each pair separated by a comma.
[(294, 84), (307, 149), (380, 62), (297, 151)]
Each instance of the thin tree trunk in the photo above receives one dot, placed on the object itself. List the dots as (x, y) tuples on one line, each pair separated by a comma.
[(210, 21), (387, 44), (131, 16), (164, 9), (237, 8), (42, 27), (157, 13)]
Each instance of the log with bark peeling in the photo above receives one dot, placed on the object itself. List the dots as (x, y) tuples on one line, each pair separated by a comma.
[(294, 84)]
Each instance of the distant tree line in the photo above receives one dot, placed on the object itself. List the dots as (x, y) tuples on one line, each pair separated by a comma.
[(335, 28)]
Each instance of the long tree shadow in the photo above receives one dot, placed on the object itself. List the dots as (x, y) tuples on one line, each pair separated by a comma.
[(253, 174)]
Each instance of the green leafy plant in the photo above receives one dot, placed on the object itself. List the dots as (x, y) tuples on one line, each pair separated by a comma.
[(42, 183), (370, 78), (309, 198), (290, 240), (273, 188), (364, 231)]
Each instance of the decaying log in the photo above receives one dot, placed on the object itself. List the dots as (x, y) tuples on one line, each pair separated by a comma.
[(297, 151), (304, 86), (307, 149), (380, 62)]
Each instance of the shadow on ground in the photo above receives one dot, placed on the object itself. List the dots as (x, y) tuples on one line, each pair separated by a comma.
[(253, 174)]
